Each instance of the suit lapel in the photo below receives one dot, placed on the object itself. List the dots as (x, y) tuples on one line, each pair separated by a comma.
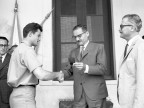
[(86, 51), (129, 50), (6, 60)]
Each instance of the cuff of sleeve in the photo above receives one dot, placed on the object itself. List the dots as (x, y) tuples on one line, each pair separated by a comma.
[(86, 69)]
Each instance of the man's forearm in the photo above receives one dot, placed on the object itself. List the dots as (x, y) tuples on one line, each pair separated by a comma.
[(44, 75), (50, 75)]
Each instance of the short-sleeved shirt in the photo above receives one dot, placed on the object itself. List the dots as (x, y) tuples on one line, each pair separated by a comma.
[(22, 64)]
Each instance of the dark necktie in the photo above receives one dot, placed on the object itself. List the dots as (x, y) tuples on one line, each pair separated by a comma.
[(81, 51), (125, 51), (0, 61)]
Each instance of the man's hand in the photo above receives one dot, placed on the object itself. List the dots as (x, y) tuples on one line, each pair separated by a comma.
[(79, 65), (61, 77)]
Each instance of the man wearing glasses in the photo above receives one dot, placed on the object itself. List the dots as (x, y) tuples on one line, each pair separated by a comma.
[(5, 90), (88, 66), (131, 70)]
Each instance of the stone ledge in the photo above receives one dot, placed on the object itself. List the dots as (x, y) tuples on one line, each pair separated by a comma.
[(69, 83)]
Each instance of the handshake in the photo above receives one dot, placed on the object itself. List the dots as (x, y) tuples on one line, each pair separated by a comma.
[(60, 77)]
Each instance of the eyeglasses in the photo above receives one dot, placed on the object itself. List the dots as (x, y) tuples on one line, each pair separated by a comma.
[(3, 45), (122, 26), (79, 36)]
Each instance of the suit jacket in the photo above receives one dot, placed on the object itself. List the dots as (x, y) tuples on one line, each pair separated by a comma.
[(131, 76), (5, 90), (93, 82)]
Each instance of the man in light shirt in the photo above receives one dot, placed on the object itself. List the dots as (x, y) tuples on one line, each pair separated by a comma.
[(131, 70), (25, 70)]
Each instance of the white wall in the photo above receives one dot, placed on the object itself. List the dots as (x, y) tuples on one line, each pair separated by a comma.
[(6, 17), (49, 96)]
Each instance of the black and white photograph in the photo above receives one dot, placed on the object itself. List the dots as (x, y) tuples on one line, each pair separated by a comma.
[(71, 53)]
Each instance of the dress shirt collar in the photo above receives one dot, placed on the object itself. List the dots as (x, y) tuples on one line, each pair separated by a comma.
[(86, 45), (132, 40), (3, 57)]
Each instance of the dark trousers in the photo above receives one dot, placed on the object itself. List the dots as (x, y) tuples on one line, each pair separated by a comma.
[(5, 91), (4, 105), (86, 102)]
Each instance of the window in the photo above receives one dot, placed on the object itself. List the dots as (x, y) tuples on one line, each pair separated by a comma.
[(96, 14)]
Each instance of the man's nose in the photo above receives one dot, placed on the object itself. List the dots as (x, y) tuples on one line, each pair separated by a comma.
[(120, 30), (39, 39), (77, 39)]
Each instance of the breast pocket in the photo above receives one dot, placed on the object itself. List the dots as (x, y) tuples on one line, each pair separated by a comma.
[(131, 66)]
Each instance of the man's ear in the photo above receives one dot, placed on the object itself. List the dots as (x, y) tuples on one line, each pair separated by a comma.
[(133, 28), (30, 34), (87, 33)]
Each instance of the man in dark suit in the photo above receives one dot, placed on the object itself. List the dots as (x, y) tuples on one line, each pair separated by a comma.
[(88, 66), (5, 90)]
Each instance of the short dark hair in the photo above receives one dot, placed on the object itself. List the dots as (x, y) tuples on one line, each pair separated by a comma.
[(135, 19), (4, 38), (83, 27), (31, 27)]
